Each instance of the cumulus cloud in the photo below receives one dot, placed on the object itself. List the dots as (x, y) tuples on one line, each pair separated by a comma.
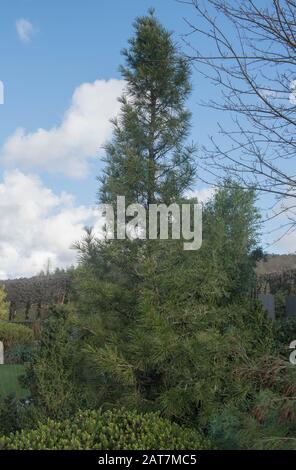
[(25, 30), (202, 194), (280, 229), (38, 225), (68, 147)]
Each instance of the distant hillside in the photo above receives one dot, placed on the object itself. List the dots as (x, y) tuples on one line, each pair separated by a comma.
[(276, 264), (29, 296)]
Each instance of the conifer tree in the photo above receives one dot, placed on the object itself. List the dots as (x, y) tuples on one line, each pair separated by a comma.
[(172, 323), (148, 159)]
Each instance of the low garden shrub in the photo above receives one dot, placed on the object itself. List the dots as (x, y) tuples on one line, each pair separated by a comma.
[(110, 430), (13, 333), (19, 354)]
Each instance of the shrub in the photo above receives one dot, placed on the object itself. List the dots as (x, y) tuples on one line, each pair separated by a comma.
[(19, 354), (50, 375), (9, 415), (18, 414), (110, 430), (12, 333), (285, 331), (3, 305)]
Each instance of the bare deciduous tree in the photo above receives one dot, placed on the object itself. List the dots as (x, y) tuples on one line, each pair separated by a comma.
[(248, 49)]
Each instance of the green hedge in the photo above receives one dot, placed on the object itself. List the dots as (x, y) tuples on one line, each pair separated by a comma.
[(14, 333), (110, 430)]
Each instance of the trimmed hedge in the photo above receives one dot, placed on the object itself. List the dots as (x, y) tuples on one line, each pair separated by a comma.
[(14, 333), (110, 430)]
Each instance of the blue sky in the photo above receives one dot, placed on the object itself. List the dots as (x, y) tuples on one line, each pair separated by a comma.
[(49, 49), (76, 42)]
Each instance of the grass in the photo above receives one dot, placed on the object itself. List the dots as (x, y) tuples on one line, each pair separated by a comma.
[(9, 383)]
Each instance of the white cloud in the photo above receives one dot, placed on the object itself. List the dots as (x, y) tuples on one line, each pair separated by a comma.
[(280, 230), (202, 194), (37, 225), (68, 147), (25, 30), (286, 243)]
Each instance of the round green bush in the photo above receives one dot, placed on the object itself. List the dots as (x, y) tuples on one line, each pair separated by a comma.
[(110, 430), (14, 333)]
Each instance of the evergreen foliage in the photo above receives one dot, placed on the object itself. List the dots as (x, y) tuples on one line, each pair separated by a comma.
[(3, 305), (171, 336), (110, 430), (50, 374), (172, 326), (13, 333)]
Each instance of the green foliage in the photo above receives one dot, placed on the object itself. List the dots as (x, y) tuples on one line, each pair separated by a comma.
[(50, 375), (147, 160), (159, 328), (13, 333), (111, 430), (285, 330), (230, 224), (10, 381), (183, 362), (19, 354), (267, 418), (237, 429), (167, 328), (190, 326), (9, 415), (280, 305), (3, 305), (18, 413)]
